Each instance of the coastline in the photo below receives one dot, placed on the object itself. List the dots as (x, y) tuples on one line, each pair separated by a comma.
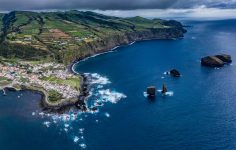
[(85, 85), (80, 101), (98, 53)]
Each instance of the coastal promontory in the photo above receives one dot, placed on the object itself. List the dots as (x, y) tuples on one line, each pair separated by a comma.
[(36, 48)]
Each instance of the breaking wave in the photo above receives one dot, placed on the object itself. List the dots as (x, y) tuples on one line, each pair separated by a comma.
[(100, 94), (170, 93), (97, 79), (111, 96)]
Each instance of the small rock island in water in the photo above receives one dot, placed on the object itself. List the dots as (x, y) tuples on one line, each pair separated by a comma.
[(216, 61)]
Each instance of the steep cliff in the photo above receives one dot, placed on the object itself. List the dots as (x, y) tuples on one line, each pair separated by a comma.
[(73, 35), (110, 42)]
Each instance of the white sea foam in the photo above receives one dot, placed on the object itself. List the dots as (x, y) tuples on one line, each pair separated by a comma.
[(83, 145), (111, 96), (145, 94), (166, 73), (47, 123), (76, 139), (41, 113), (170, 93), (114, 48), (107, 114), (65, 129), (132, 43), (81, 130), (98, 79), (66, 125), (100, 86), (100, 95), (73, 117)]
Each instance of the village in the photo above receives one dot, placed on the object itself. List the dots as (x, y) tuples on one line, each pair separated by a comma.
[(52, 77)]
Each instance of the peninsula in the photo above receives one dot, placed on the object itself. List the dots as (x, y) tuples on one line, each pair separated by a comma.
[(37, 47)]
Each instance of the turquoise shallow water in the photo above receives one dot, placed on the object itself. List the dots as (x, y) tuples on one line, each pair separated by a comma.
[(200, 115)]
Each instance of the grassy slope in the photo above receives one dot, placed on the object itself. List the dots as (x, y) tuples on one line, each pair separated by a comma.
[(73, 82), (31, 35)]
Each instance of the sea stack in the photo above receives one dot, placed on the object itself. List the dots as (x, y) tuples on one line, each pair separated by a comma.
[(216, 61), (151, 91), (175, 73), (212, 61), (164, 89)]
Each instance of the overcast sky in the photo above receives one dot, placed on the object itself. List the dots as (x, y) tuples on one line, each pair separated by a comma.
[(129, 7)]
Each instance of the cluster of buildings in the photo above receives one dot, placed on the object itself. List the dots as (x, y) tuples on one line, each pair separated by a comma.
[(32, 75)]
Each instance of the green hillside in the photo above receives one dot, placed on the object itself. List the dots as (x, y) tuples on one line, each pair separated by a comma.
[(65, 36)]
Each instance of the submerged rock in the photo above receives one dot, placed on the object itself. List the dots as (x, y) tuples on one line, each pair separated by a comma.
[(216, 61), (151, 91), (175, 73)]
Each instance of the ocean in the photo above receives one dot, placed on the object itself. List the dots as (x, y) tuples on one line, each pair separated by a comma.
[(199, 113)]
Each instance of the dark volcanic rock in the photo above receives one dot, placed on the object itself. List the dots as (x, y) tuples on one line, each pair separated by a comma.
[(164, 89), (225, 58), (81, 105), (151, 91), (175, 73), (10, 89), (212, 61), (94, 108)]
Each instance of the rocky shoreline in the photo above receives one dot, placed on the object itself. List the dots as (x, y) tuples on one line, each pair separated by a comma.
[(109, 43), (77, 103), (96, 49), (62, 106), (81, 102)]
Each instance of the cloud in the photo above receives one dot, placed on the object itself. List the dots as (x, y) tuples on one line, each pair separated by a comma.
[(200, 12), (113, 4)]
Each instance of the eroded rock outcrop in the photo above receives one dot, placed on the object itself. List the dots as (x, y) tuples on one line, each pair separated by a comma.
[(216, 61), (175, 73), (151, 91)]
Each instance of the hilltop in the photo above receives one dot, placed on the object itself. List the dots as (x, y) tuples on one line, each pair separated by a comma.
[(72, 35)]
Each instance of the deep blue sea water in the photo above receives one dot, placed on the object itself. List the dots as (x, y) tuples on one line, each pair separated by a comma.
[(200, 115)]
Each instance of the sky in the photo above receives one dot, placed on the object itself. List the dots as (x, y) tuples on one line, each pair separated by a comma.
[(146, 8)]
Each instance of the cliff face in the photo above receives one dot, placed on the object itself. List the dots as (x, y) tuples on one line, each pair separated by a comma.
[(112, 41), (74, 35)]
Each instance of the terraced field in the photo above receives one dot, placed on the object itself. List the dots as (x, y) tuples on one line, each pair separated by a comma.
[(65, 36)]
